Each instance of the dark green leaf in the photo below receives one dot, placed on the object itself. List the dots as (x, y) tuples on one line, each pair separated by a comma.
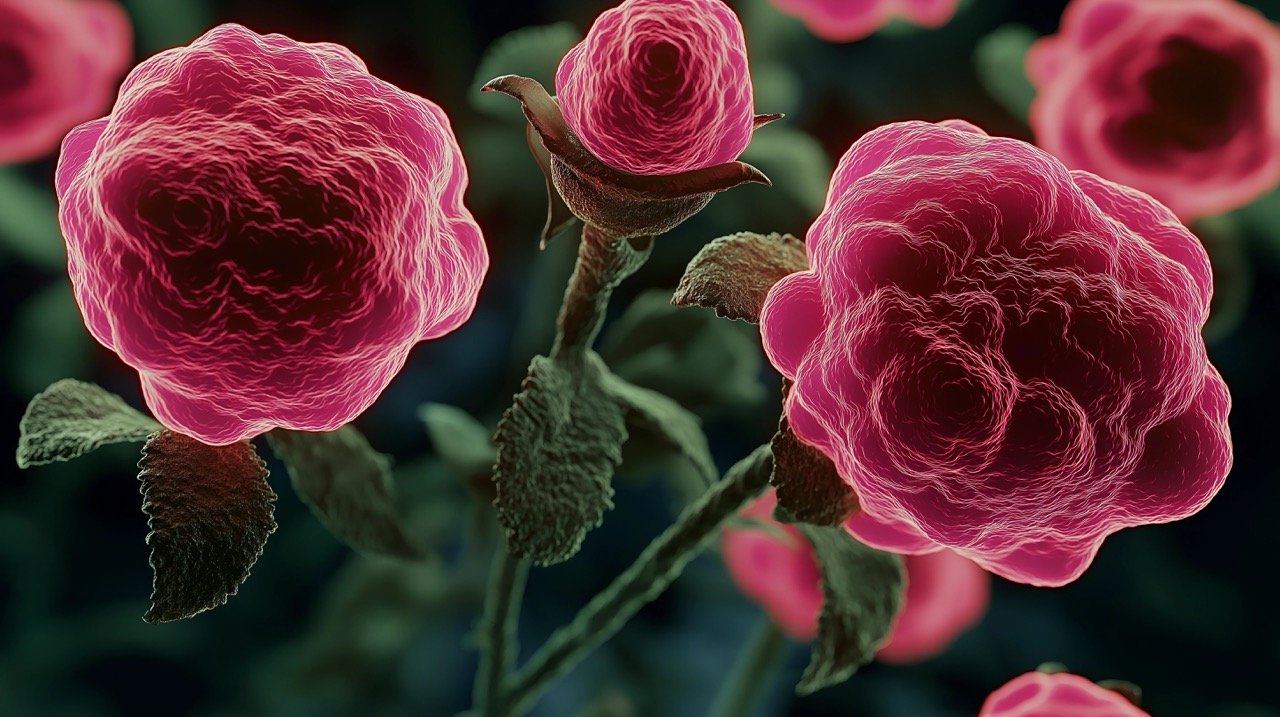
[(48, 340), (461, 441), (71, 418), (733, 274), (210, 511), (1232, 274), (162, 24), (862, 592), (348, 486), (660, 416), (706, 365), (533, 52), (999, 60), (558, 447), (1125, 689), (29, 221), (797, 163), (810, 489)]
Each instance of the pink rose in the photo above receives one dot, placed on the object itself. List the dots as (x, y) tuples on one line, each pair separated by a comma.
[(263, 230), (846, 20), (1000, 356), (1178, 98), (775, 566), (59, 61), (659, 87), (1061, 694)]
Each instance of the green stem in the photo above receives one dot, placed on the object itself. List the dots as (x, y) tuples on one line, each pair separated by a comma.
[(753, 672), (660, 563), (603, 262), (497, 631)]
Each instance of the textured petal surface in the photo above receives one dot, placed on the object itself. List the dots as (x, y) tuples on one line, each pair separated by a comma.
[(1001, 356), (1178, 98), (1062, 694), (774, 565), (264, 230), (660, 87), (59, 63), (846, 20)]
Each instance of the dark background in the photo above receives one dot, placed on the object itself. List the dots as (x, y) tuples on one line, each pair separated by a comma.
[(1185, 610)]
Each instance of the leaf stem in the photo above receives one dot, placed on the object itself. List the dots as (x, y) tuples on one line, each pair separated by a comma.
[(603, 262), (497, 631), (660, 563), (753, 671)]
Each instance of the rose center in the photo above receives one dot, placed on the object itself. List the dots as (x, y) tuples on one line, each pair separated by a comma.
[(15, 70), (1196, 98), (660, 65)]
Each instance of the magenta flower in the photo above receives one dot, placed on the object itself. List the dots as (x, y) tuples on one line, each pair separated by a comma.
[(775, 566), (1178, 98), (1000, 356), (847, 20), (263, 230), (59, 62), (1060, 694), (659, 87)]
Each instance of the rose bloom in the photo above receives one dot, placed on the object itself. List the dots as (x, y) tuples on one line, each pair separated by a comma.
[(775, 566), (1000, 356), (846, 20), (659, 87), (1061, 694), (1178, 98), (263, 230), (59, 62)]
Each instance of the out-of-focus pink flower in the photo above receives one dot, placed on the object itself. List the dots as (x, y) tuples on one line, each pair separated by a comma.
[(847, 20), (775, 566), (659, 87), (1060, 694), (263, 230), (1178, 98), (59, 61), (1001, 356)]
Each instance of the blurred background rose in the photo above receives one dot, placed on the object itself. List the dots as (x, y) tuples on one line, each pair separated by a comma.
[(1183, 610)]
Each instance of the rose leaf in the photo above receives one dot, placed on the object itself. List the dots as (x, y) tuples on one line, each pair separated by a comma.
[(733, 274), (71, 418)]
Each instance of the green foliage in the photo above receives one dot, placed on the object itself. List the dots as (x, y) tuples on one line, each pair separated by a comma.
[(810, 489), (795, 161), (999, 61), (461, 441), (210, 511), (659, 416), (558, 446), (707, 365), (348, 486), (862, 592), (1232, 274), (71, 418), (48, 340), (733, 274), (532, 52), (29, 222), (162, 24)]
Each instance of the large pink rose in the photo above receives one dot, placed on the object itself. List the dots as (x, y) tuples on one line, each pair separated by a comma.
[(775, 566), (1178, 98), (1061, 694), (1000, 356), (59, 62), (264, 230), (846, 20), (659, 87)]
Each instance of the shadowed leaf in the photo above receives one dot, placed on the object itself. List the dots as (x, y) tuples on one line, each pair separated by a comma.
[(810, 490), (461, 441), (558, 447), (348, 486), (862, 592), (666, 419), (71, 418), (733, 274), (534, 52), (999, 60), (210, 511)]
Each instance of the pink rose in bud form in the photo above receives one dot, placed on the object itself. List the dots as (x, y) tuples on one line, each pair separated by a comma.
[(59, 63), (1000, 356), (846, 20), (1060, 694), (1178, 98), (775, 565), (263, 230), (660, 87)]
